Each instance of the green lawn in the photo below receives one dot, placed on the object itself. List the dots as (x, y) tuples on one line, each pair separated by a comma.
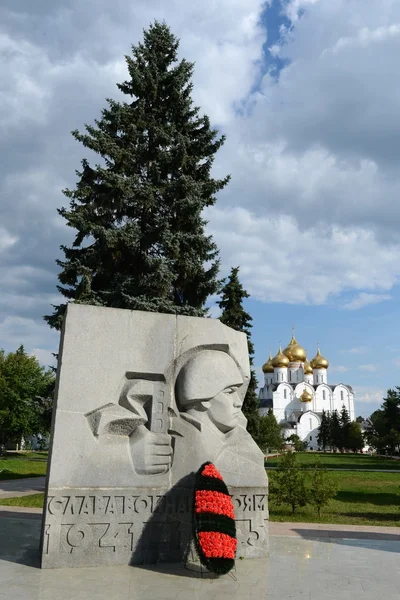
[(363, 499), (33, 501), (18, 465), (343, 461)]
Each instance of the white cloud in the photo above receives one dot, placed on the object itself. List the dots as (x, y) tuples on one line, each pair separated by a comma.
[(24, 95), (330, 121), (15, 331), (356, 350), (281, 263), (293, 7), (364, 299), (6, 239), (214, 311), (338, 369), (45, 357), (366, 36), (370, 368), (369, 395)]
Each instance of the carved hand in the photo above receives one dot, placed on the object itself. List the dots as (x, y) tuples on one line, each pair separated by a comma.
[(151, 452)]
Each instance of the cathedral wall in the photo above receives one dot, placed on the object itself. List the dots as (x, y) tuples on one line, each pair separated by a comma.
[(307, 429), (296, 373), (320, 376), (341, 396), (280, 375), (282, 398), (268, 378), (323, 399)]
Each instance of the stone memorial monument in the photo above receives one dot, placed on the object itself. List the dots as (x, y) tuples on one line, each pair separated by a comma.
[(142, 401)]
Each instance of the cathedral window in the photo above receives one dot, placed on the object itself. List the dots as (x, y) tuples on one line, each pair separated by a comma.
[(323, 395), (341, 395), (285, 394)]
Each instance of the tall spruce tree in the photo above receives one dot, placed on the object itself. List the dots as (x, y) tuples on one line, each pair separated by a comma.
[(324, 431), (234, 315), (140, 241), (335, 431)]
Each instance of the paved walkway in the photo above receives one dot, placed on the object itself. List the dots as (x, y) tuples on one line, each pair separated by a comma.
[(272, 468), (300, 530), (298, 568), (11, 488), (322, 530)]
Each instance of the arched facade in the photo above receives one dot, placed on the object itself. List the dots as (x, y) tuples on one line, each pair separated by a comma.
[(298, 392)]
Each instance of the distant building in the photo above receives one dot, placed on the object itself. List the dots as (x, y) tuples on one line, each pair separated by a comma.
[(298, 391)]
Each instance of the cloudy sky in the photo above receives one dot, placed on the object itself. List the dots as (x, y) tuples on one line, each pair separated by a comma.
[(308, 94)]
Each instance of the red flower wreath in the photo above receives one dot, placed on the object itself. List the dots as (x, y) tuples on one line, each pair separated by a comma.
[(208, 501), (214, 521)]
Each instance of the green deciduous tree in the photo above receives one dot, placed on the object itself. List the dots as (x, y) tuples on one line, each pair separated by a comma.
[(270, 434), (383, 432), (324, 431), (298, 444), (287, 483), (234, 315), (355, 440), (140, 235), (322, 488), (26, 391)]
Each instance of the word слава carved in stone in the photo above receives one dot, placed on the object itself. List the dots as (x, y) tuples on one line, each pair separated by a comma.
[(124, 493)]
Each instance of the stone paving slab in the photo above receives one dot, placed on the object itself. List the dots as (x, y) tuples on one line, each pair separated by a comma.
[(20, 512), (321, 530), (14, 488), (298, 568)]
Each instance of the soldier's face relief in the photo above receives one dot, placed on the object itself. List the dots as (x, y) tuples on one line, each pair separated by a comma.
[(224, 409)]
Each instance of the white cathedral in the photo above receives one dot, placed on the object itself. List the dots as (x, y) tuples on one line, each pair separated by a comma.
[(297, 391)]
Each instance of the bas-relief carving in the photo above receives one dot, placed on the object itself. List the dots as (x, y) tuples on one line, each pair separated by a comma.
[(171, 422), (202, 408)]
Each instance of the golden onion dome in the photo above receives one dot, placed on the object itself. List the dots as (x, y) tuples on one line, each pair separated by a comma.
[(306, 396), (319, 362), (280, 360), (268, 367), (295, 352), (307, 368)]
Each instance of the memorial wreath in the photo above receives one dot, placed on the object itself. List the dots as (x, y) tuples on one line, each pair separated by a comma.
[(214, 521)]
